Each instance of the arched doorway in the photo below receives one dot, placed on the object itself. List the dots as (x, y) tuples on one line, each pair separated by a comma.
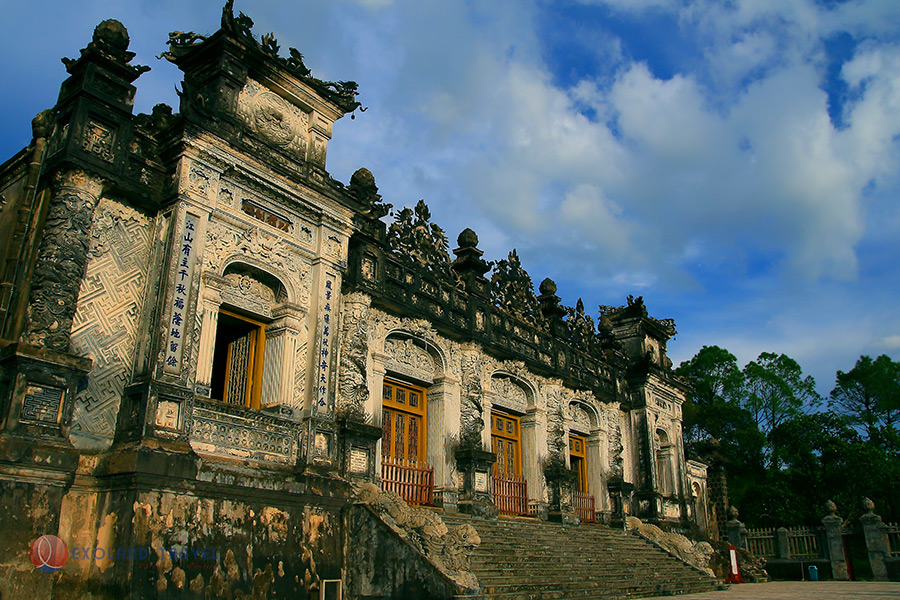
[(409, 376)]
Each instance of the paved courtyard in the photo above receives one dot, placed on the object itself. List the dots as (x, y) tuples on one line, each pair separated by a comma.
[(803, 590)]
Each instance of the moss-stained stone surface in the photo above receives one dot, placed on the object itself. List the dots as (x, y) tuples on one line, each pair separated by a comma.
[(163, 544)]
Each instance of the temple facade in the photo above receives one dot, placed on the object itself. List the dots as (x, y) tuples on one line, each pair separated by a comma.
[(208, 342)]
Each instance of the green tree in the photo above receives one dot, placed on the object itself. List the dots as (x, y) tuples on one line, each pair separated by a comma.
[(716, 380), (869, 393), (714, 409), (777, 391)]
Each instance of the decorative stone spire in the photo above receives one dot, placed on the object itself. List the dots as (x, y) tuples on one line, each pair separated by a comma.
[(469, 264), (549, 302), (363, 189), (107, 51)]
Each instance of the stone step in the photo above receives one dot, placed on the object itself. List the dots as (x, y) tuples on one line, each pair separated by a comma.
[(526, 559)]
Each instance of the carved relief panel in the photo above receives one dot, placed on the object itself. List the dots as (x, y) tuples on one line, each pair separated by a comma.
[(508, 394), (408, 358), (274, 119)]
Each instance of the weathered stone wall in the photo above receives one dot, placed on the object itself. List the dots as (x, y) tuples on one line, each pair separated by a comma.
[(233, 535), (380, 565), (29, 511)]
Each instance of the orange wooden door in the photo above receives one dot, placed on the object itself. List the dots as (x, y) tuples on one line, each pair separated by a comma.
[(506, 444), (403, 422), (578, 460)]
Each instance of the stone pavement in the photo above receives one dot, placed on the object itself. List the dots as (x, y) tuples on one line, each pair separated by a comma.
[(803, 590)]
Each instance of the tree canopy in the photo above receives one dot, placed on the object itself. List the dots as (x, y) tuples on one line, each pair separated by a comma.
[(784, 455)]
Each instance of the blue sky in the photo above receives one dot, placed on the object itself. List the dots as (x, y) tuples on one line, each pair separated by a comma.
[(735, 162)]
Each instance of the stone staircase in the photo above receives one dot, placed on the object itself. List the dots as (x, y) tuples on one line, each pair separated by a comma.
[(525, 559)]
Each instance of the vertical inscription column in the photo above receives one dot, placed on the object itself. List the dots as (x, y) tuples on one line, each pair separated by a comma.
[(183, 288), (62, 259)]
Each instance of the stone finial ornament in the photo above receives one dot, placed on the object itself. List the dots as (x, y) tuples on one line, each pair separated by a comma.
[(467, 238), (831, 508), (109, 42), (112, 33), (362, 187), (869, 506), (547, 287), (733, 513)]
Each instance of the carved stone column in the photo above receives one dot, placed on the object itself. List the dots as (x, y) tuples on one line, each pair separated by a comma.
[(62, 259), (443, 425), (534, 437), (211, 300), (375, 403), (282, 337), (595, 461)]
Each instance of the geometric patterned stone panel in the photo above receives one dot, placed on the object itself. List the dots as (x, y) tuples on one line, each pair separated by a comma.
[(109, 304)]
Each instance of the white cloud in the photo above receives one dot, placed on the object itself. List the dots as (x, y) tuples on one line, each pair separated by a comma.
[(727, 177)]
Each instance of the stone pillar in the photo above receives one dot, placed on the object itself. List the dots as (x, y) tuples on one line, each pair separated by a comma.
[(877, 541), (375, 401), (534, 439), (784, 545), (595, 461), (443, 425), (474, 464), (834, 542), (62, 259), (282, 336), (559, 492), (38, 376), (210, 301), (737, 532)]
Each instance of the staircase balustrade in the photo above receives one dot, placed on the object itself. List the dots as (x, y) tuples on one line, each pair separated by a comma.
[(511, 495), (584, 506), (412, 481)]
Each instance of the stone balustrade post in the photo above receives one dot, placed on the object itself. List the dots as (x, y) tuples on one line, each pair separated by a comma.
[(784, 544), (877, 542), (834, 542), (737, 532)]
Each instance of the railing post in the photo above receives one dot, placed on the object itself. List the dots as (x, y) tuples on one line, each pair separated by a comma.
[(877, 542), (737, 532), (784, 544), (834, 542)]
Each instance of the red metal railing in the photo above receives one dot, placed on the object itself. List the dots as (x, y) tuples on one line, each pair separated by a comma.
[(511, 495), (412, 481), (584, 506)]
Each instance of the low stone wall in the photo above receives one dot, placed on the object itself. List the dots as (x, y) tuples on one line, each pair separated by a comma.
[(383, 565)]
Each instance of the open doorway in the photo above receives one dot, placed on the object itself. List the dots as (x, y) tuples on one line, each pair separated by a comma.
[(238, 360)]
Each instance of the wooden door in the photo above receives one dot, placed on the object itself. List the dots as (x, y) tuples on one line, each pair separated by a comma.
[(403, 422), (578, 460), (506, 443)]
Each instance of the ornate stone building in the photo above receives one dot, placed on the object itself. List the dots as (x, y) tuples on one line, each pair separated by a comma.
[(207, 341)]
